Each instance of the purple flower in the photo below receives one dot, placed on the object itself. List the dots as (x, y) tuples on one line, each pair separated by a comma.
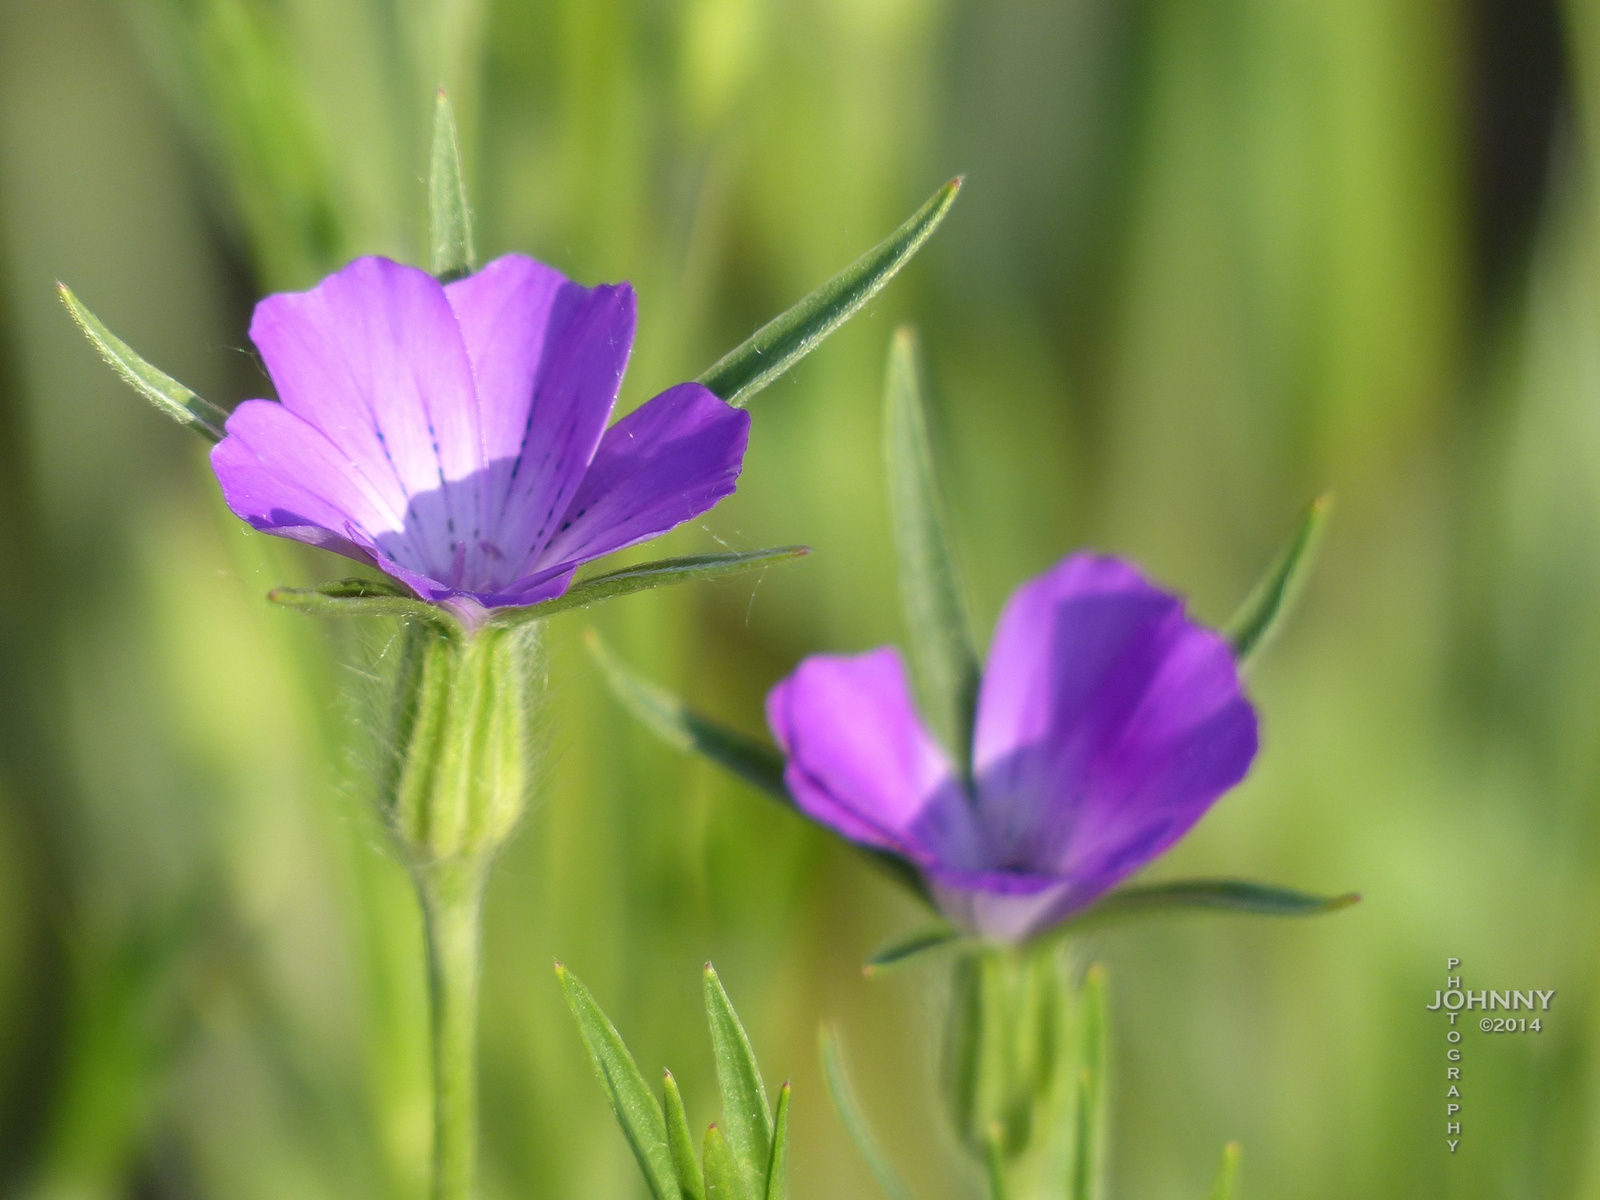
[(454, 435), (1108, 723)]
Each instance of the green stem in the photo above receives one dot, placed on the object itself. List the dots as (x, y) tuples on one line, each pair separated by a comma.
[(452, 900)]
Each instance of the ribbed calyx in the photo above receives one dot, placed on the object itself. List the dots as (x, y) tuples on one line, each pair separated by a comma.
[(458, 774)]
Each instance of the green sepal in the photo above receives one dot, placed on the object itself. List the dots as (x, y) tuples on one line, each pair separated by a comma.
[(746, 1113), (1220, 895), (635, 1105), (942, 654), (363, 598), (663, 572), (850, 1116), (994, 1162), (1227, 1173), (1264, 609), (757, 763), (778, 1165), (789, 337), (723, 1180), (450, 251), (161, 389), (899, 952), (680, 1142), (1088, 1152)]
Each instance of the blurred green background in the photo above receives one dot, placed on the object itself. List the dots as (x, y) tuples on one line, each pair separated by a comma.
[(1213, 256)]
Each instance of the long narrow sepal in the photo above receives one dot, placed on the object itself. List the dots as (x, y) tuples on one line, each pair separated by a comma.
[(637, 1110), (1269, 603), (722, 1172), (746, 1115), (994, 1162), (757, 763), (362, 598), (778, 1167), (898, 953), (855, 1124), (450, 250), (680, 1141), (664, 572), (162, 390), (789, 337), (1227, 1174), (946, 664), (1218, 895)]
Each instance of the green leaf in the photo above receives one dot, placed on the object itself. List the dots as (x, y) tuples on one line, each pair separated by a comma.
[(1263, 611), (634, 1103), (1227, 1174), (757, 763), (450, 249), (362, 598), (1088, 1161), (942, 654), (723, 1181), (161, 389), (994, 1161), (898, 952), (778, 1167), (681, 1142), (787, 338), (1225, 895), (844, 1103), (661, 573), (745, 1111)]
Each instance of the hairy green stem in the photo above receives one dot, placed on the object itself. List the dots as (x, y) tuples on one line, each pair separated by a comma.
[(452, 900)]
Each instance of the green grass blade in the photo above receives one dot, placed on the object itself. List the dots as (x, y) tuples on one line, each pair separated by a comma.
[(1088, 1159), (942, 653), (778, 1167), (450, 250), (1264, 609), (723, 1181), (1227, 1174), (787, 338), (161, 389), (661, 573), (1220, 895), (681, 1142), (638, 1112), (746, 1114), (899, 952), (855, 1124)]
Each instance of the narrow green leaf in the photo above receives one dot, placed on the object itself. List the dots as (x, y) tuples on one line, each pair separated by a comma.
[(778, 1167), (994, 1161), (681, 1142), (449, 217), (161, 389), (946, 665), (787, 338), (1224, 895), (1227, 1174), (745, 1112), (661, 573), (1264, 609), (1088, 1165), (362, 598), (757, 763), (638, 1112), (723, 1181), (907, 948), (855, 1124)]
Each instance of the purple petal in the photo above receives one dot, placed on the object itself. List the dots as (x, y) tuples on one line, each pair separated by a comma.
[(549, 356), (372, 356), (1108, 723), (666, 462), (860, 761)]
